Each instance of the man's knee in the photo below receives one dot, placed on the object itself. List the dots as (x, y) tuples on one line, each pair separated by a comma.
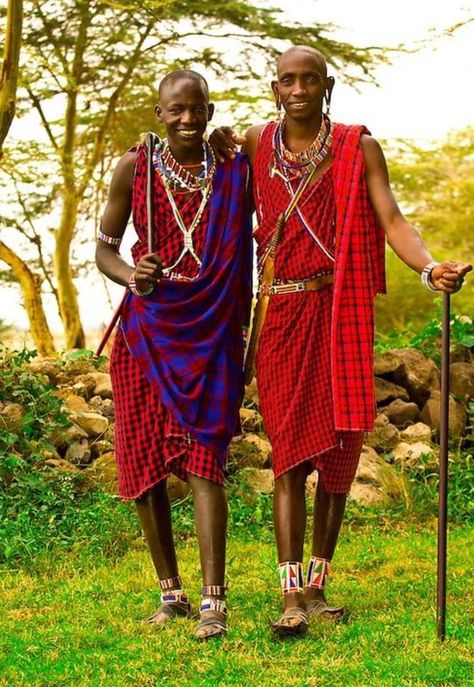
[(292, 480)]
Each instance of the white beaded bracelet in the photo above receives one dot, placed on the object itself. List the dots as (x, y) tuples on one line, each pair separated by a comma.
[(426, 276)]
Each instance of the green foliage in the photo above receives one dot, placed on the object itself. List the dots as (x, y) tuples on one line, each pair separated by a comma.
[(428, 339), (435, 189), (42, 508)]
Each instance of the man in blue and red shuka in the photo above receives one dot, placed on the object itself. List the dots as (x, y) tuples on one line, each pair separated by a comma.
[(314, 363), (176, 363)]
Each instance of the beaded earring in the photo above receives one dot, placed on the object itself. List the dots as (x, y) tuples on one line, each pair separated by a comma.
[(327, 98), (278, 108)]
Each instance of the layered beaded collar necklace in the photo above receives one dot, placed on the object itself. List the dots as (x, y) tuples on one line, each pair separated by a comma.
[(287, 164), (176, 177)]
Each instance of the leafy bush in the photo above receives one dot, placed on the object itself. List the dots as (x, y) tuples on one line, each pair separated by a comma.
[(428, 340), (42, 508)]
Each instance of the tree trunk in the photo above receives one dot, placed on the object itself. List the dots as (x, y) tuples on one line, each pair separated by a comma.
[(9, 75), (67, 293), (31, 289)]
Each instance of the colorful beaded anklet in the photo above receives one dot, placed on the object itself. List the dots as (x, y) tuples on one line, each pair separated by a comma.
[(318, 571), (171, 583), (291, 576), (213, 590)]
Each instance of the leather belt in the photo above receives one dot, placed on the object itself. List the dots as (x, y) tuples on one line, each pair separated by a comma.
[(298, 287)]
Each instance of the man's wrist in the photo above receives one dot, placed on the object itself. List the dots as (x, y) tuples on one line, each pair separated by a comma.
[(132, 285), (426, 276)]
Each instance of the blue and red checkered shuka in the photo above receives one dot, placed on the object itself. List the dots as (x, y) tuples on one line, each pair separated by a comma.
[(187, 335)]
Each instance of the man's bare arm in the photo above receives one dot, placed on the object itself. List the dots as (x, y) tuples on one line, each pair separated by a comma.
[(114, 222), (401, 235)]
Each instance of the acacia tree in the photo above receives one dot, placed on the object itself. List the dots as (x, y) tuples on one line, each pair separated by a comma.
[(89, 67), (9, 74)]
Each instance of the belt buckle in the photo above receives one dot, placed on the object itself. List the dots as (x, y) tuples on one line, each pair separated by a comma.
[(300, 286)]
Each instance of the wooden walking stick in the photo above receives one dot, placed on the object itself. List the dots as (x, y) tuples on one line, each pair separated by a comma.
[(443, 473), (150, 142)]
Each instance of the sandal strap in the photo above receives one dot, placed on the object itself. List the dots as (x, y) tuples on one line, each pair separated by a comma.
[(320, 607), (173, 596), (295, 613), (171, 610), (212, 604)]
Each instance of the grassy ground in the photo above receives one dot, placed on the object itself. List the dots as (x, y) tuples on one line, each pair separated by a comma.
[(78, 626)]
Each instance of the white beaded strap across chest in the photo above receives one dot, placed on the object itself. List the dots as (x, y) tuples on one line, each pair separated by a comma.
[(176, 178)]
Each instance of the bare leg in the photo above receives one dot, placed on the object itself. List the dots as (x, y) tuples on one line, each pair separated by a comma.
[(210, 507), (328, 514), (289, 516), (154, 512)]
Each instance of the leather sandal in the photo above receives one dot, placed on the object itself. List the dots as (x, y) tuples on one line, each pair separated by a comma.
[(212, 620), (174, 604), (283, 629), (320, 609)]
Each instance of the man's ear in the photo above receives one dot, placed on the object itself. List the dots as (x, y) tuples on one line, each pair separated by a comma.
[(158, 112), (274, 85), (210, 111), (330, 81)]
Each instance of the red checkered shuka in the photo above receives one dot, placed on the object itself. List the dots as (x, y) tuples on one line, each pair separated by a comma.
[(294, 372), (149, 442)]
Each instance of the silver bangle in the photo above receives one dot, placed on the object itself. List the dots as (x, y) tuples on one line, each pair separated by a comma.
[(426, 276)]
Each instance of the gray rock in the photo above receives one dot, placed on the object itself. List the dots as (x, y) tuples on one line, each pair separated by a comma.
[(418, 374), (78, 453), (419, 454), (387, 364), (92, 423), (103, 473), (417, 432), (461, 380), (376, 482), (11, 417), (386, 391), (103, 384), (384, 435), (430, 415), (401, 413), (261, 481)]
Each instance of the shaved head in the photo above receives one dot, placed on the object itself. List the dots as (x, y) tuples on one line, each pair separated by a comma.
[(184, 74), (318, 57)]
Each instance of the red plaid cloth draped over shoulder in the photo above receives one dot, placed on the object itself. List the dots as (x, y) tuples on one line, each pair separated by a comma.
[(359, 276)]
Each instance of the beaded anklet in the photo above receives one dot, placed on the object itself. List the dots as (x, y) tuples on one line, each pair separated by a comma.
[(213, 590), (171, 583), (210, 603), (110, 240), (291, 576), (318, 571)]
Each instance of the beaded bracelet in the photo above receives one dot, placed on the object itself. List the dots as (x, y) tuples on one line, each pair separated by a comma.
[(110, 240), (426, 276), (132, 285)]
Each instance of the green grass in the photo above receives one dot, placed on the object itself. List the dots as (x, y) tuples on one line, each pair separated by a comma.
[(76, 623)]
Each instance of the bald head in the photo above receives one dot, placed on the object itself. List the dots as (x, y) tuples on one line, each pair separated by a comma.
[(306, 50), (183, 75)]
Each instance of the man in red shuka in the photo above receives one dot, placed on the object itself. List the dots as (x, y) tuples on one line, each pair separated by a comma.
[(314, 363)]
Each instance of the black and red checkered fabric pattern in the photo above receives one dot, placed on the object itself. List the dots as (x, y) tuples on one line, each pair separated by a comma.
[(149, 443), (295, 360)]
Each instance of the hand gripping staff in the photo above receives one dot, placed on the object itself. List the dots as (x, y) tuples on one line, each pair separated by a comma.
[(266, 280), (151, 141)]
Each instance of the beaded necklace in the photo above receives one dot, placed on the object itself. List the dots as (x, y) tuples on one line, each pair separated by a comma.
[(291, 165), (176, 178)]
